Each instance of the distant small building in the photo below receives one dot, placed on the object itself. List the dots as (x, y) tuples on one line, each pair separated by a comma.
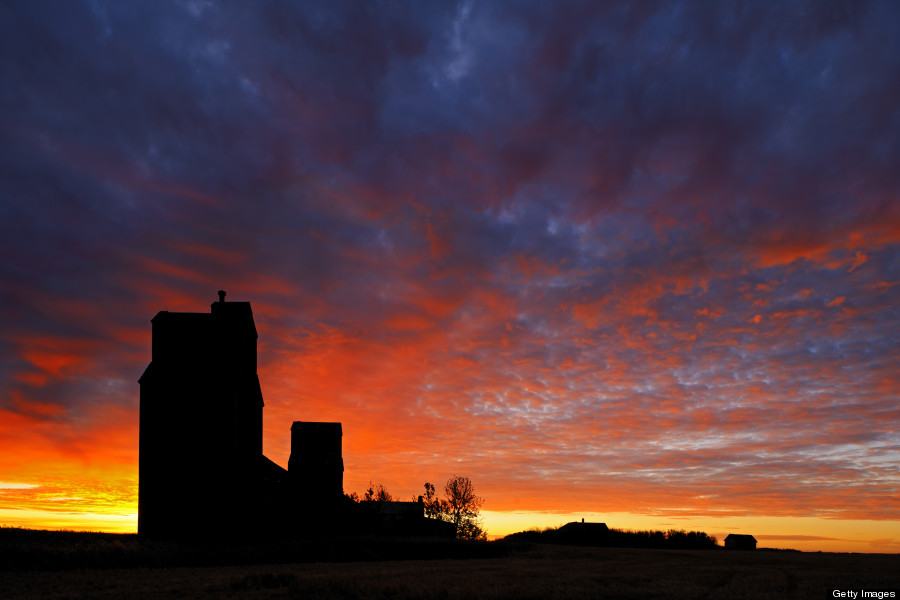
[(579, 532), (736, 541), (587, 528)]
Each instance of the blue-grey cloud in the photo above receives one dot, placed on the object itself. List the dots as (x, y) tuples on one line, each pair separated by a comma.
[(645, 244)]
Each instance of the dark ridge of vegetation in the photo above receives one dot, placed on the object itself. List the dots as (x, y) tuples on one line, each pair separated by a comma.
[(32, 549), (617, 538)]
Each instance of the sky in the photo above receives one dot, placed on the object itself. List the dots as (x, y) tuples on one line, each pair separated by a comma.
[(637, 262)]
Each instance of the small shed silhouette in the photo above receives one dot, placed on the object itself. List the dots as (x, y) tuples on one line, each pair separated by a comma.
[(736, 541)]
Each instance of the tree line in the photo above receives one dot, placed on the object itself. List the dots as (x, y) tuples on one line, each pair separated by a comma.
[(618, 538)]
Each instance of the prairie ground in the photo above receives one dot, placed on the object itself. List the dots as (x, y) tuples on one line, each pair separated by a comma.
[(528, 571)]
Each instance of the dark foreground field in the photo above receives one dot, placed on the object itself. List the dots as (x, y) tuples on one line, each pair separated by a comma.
[(503, 571)]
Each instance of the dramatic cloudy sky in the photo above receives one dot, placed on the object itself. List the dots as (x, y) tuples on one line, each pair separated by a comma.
[(603, 258)]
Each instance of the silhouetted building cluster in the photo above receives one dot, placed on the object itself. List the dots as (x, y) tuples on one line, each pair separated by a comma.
[(202, 472), (394, 518)]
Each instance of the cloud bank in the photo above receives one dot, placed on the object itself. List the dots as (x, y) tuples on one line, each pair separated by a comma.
[(595, 257)]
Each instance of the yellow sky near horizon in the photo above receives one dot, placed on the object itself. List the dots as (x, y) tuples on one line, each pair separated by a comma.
[(807, 534)]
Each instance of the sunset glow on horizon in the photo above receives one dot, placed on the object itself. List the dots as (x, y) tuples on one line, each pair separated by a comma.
[(634, 264)]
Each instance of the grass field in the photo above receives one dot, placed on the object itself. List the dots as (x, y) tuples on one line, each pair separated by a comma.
[(514, 571)]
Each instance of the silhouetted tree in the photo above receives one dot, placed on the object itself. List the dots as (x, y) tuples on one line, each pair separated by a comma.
[(435, 508), (377, 494), (459, 506)]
